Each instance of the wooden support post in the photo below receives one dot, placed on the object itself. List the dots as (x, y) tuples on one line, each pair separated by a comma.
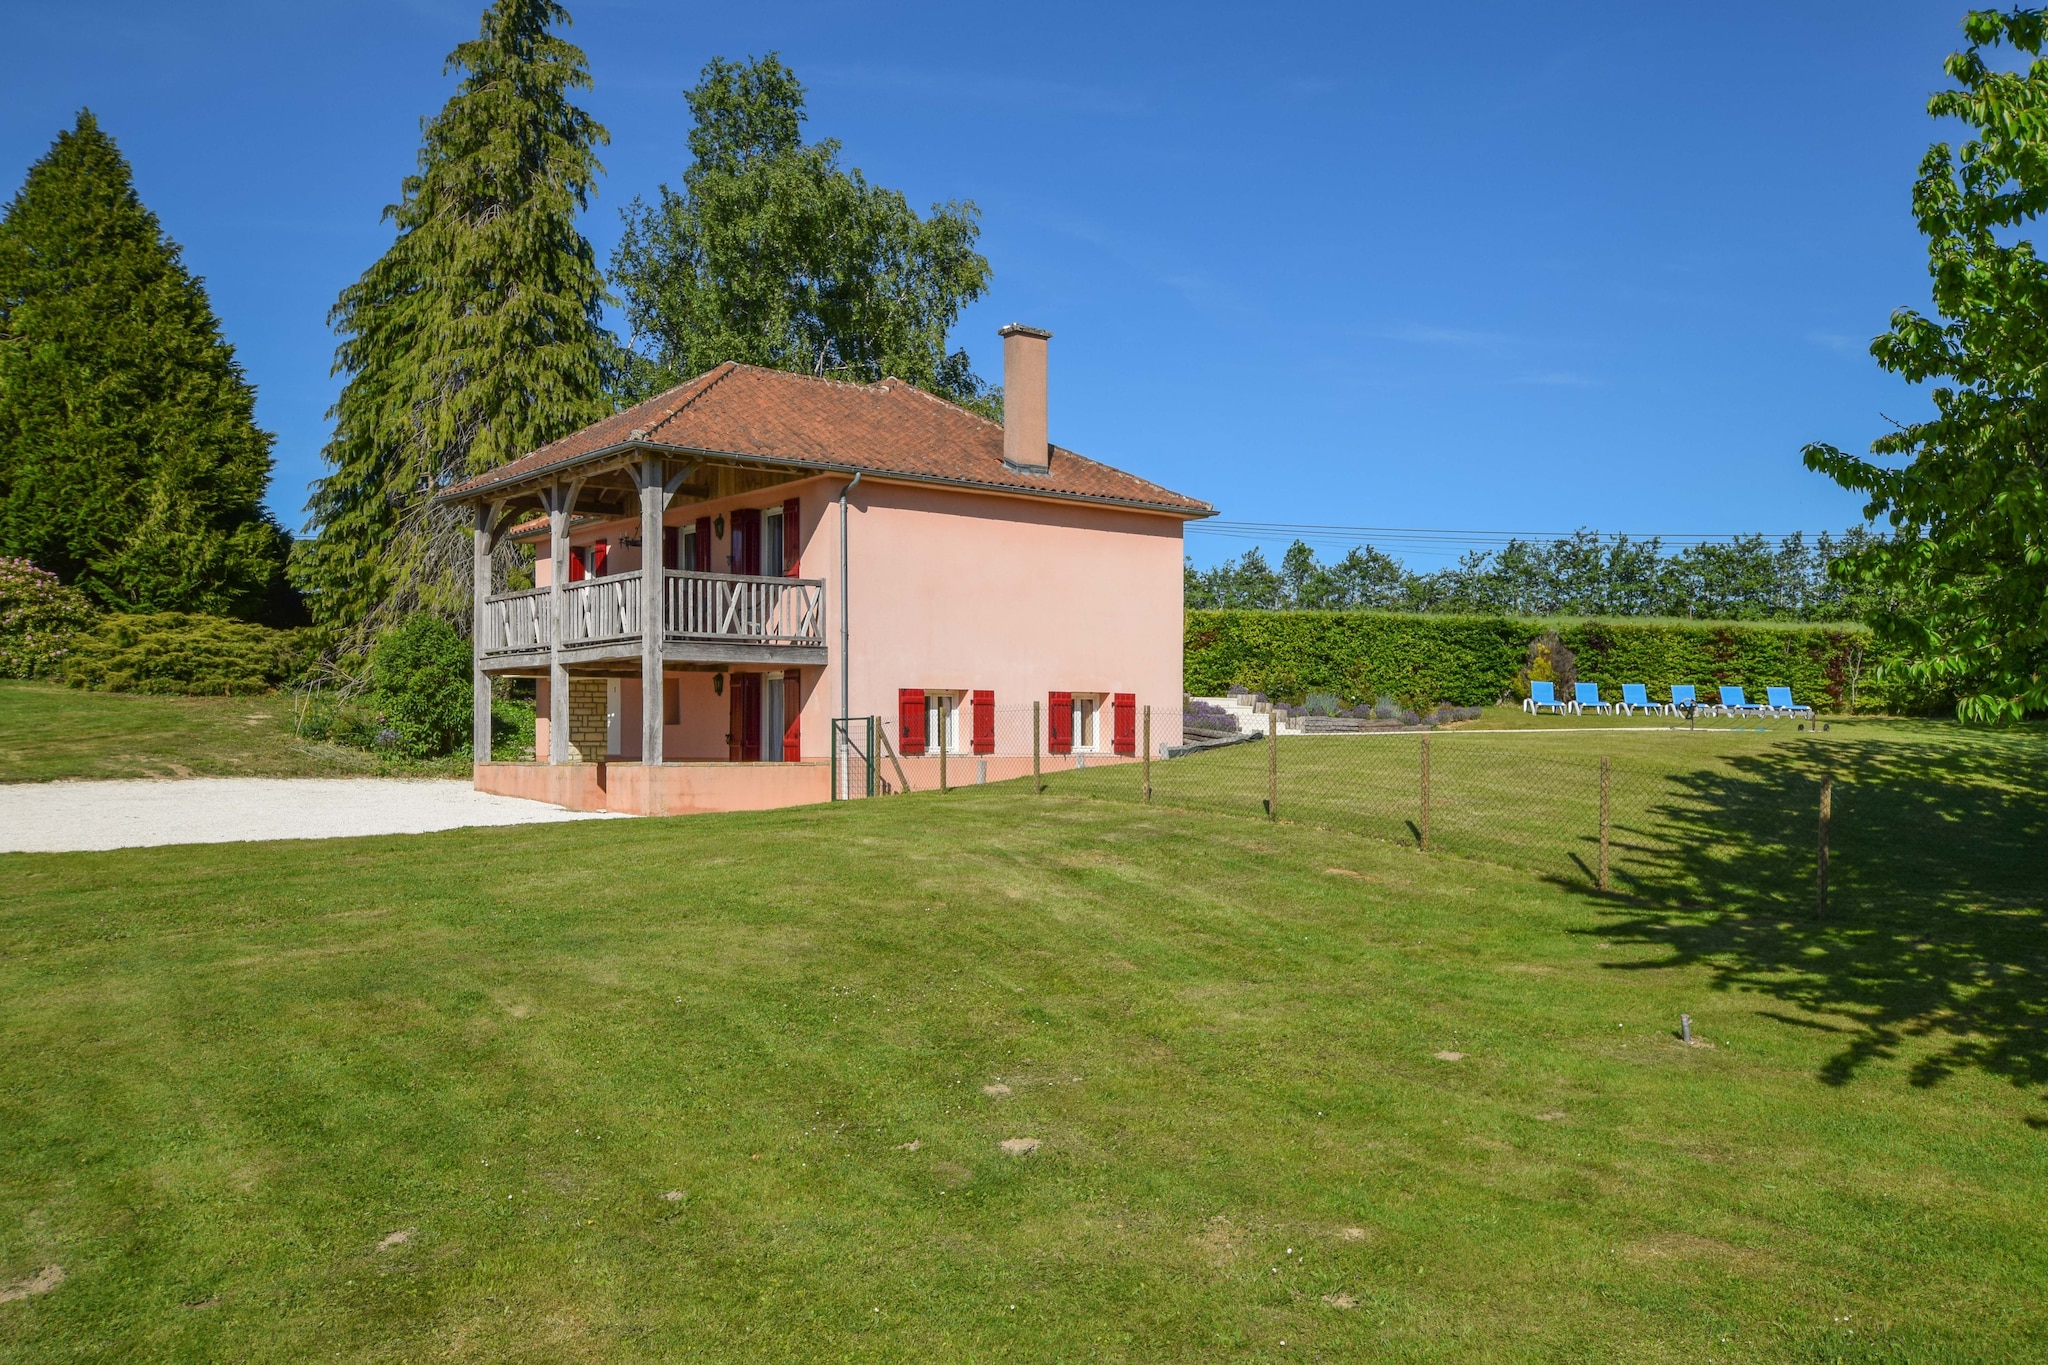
[(1827, 815), (875, 727), (1423, 830), (1148, 755), (1037, 781), (654, 495), (479, 628), (561, 501), (1272, 763), (1603, 821)]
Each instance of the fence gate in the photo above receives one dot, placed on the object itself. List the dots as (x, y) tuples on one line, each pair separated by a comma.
[(855, 740)]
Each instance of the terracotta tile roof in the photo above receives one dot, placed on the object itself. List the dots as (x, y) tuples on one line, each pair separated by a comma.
[(884, 428)]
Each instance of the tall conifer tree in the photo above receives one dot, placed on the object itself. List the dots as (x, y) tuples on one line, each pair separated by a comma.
[(131, 464), (478, 335)]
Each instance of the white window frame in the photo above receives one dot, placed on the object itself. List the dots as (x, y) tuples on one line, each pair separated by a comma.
[(771, 543), (1087, 723), (773, 722), (942, 720), (686, 548)]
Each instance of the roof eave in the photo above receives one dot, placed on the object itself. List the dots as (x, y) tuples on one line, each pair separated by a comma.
[(554, 470)]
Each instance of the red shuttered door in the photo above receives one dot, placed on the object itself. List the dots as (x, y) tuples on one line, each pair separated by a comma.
[(600, 559), (910, 719), (576, 564), (746, 540), (984, 722), (792, 535), (793, 726), (1059, 722), (1124, 708), (702, 541)]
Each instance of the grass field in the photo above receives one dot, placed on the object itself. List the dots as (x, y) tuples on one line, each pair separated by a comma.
[(733, 1089), (49, 732)]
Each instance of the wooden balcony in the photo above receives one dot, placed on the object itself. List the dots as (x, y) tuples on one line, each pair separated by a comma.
[(706, 618)]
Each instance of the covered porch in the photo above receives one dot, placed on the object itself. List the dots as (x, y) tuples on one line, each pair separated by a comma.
[(663, 685)]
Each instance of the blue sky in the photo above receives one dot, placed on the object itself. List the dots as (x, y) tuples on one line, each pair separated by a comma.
[(1493, 266)]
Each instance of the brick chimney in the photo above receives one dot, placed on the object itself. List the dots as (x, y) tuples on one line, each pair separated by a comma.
[(1024, 427)]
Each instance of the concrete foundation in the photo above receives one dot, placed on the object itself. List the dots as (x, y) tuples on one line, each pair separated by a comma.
[(660, 789)]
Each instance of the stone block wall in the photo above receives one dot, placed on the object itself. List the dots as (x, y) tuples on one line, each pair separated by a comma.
[(586, 719)]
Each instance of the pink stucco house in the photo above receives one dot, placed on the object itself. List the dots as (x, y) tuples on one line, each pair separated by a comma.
[(723, 570)]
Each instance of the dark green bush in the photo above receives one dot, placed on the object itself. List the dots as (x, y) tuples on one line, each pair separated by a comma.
[(420, 680), (1426, 660), (174, 653)]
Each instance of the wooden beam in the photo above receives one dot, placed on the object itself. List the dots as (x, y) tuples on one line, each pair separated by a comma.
[(653, 502), (485, 541)]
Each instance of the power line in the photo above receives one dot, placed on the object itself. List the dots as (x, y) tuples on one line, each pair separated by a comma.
[(1421, 538)]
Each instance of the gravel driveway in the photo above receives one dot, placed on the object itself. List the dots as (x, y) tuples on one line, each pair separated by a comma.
[(56, 817)]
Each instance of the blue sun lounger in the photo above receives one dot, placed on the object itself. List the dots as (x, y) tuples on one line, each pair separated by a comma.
[(1782, 703), (1733, 703), (1636, 697), (1685, 694), (1543, 696), (1586, 697)]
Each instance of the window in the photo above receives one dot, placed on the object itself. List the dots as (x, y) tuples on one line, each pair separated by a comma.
[(688, 558), (771, 543), (772, 719), (1084, 722), (942, 722)]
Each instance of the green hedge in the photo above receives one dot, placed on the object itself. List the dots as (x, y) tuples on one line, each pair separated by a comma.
[(1426, 660), (179, 654)]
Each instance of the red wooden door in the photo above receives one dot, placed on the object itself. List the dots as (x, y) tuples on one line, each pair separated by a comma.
[(743, 714)]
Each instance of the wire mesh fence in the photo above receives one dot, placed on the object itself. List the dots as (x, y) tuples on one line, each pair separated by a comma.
[(1726, 813)]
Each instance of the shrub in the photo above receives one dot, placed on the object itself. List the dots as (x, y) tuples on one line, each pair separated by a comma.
[(1420, 661), (174, 653), (39, 616), (420, 678)]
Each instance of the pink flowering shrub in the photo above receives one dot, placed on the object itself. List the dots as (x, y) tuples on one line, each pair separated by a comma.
[(39, 616)]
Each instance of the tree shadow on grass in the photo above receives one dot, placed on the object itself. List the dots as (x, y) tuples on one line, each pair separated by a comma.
[(1935, 939)]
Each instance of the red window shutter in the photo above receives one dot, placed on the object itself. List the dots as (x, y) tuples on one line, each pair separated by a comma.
[(576, 564), (600, 559), (671, 538), (1059, 722), (703, 544), (792, 534), (984, 722), (910, 719), (1124, 708), (793, 725)]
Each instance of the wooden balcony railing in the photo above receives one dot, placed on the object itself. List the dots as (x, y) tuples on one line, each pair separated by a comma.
[(516, 623), (761, 611), (601, 609), (695, 606)]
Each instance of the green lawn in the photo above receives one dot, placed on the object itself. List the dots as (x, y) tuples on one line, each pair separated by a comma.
[(716, 1089), (49, 732)]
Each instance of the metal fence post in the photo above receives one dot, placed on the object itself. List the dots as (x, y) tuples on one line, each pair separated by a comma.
[(873, 776), (1148, 755), (1603, 821), (833, 730), (943, 788), (1425, 795), (1037, 780), (1827, 814), (1272, 763)]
